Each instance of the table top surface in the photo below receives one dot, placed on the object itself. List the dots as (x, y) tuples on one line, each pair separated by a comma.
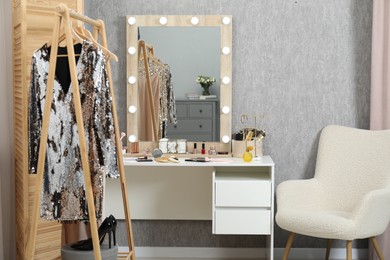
[(262, 161)]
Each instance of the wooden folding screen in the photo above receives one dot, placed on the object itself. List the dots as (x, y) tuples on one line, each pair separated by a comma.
[(63, 15), (32, 24)]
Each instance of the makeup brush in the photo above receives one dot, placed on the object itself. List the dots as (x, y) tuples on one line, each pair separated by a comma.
[(122, 135), (249, 136)]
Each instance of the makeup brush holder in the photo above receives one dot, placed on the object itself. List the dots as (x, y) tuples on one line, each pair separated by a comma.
[(239, 147)]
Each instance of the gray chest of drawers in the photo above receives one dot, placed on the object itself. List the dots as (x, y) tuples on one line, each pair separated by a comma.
[(197, 120)]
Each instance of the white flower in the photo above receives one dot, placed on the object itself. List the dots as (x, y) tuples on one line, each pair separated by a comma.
[(205, 80)]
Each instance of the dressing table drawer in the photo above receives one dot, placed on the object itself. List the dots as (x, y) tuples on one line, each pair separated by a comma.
[(200, 110), (243, 194), (191, 125), (243, 221)]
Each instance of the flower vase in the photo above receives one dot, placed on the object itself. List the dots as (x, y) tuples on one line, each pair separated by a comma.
[(206, 91)]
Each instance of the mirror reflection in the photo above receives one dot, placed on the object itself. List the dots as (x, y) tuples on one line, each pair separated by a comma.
[(179, 77), (185, 110), (189, 52)]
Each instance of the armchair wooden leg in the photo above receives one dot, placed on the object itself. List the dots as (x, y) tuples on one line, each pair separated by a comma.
[(288, 245), (328, 247), (377, 248), (349, 250)]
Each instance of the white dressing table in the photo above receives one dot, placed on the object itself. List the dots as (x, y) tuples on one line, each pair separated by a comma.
[(237, 196)]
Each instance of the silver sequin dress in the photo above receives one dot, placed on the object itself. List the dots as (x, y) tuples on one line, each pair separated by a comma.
[(63, 194)]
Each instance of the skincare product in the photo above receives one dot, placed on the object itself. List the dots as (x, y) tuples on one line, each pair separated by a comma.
[(172, 146), (212, 150), (134, 147), (163, 145), (181, 146)]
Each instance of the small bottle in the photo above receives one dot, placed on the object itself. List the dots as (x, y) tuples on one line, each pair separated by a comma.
[(203, 148), (194, 151), (212, 150)]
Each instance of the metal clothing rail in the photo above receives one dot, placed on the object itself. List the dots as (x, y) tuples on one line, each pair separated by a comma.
[(63, 15)]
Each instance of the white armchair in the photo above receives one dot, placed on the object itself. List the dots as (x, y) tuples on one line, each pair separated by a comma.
[(349, 196)]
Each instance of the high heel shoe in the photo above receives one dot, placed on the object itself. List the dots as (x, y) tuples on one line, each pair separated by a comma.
[(108, 226), (114, 223)]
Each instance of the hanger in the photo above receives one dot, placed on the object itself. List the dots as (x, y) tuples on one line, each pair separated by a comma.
[(149, 51), (76, 39), (82, 31), (156, 60), (75, 36), (80, 34)]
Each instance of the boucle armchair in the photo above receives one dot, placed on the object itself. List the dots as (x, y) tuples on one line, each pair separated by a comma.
[(349, 196)]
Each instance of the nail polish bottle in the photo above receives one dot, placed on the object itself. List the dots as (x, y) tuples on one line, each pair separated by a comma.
[(203, 148), (194, 151)]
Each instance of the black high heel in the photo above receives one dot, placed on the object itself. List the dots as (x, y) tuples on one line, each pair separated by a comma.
[(114, 224), (108, 225)]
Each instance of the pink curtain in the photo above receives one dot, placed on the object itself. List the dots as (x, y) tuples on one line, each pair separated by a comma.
[(380, 88)]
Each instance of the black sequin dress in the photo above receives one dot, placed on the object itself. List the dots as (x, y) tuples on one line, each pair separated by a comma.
[(63, 194)]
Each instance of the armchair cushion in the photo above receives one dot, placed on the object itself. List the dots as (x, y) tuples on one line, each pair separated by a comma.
[(368, 219)]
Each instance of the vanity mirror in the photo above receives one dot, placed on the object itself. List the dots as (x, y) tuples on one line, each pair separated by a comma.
[(207, 37)]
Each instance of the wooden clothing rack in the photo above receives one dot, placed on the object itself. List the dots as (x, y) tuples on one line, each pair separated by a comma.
[(145, 50), (63, 15)]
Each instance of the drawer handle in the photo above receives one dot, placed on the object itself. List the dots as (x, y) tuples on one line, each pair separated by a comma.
[(200, 111), (175, 126), (200, 126)]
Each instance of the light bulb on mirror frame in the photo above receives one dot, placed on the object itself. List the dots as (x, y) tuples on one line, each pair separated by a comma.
[(226, 50), (132, 109), (194, 20), (132, 138), (132, 79), (131, 20), (225, 109), (226, 20), (225, 139), (132, 50), (226, 80), (163, 20)]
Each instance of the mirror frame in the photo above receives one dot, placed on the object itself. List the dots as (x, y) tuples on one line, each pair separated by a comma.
[(224, 22)]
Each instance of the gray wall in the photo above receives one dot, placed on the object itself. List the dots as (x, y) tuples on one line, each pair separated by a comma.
[(301, 64)]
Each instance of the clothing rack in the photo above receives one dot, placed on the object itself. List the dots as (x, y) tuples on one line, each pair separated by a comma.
[(146, 50), (63, 15)]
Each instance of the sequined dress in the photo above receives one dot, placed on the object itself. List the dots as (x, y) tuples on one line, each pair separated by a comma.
[(63, 194), (163, 99)]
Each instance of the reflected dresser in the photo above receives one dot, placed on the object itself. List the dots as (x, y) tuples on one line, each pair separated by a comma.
[(197, 121)]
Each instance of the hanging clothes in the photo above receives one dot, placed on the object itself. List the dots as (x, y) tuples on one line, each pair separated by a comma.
[(63, 193), (163, 99), (171, 103)]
